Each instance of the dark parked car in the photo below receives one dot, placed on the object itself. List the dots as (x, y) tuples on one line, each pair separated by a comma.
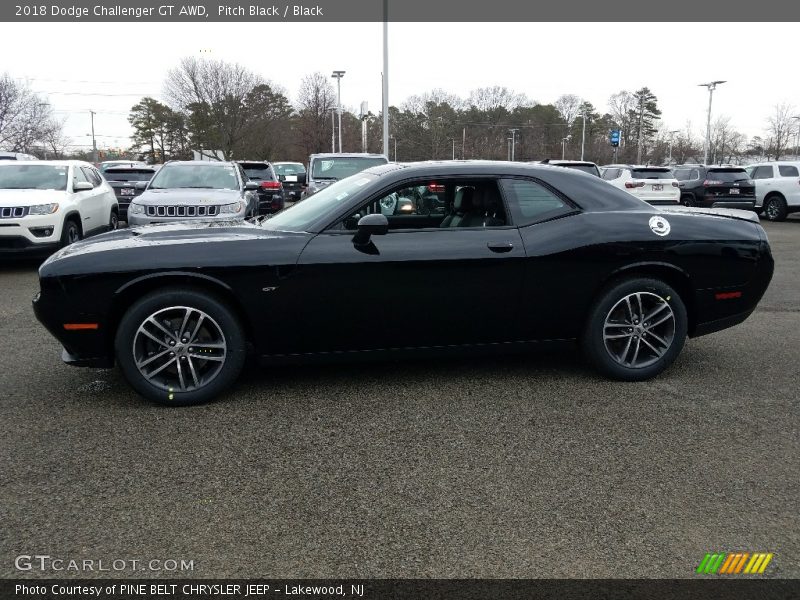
[(123, 179), (715, 186), (271, 197), (293, 177), (521, 254)]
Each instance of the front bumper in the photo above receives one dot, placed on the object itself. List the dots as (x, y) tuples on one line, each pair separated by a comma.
[(17, 244)]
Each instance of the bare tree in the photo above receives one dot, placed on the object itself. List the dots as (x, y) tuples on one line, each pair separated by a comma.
[(489, 99), (568, 106), (25, 118), (315, 100), (212, 95), (780, 128)]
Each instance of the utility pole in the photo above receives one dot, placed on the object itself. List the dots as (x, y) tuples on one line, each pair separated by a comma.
[(639, 136), (454, 148), (464, 142), (671, 135), (564, 141), (333, 129), (94, 141), (513, 133), (338, 76), (711, 87)]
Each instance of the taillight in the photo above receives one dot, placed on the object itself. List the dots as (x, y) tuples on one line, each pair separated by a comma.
[(270, 185), (634, 184), (712, 182), (676, 184)]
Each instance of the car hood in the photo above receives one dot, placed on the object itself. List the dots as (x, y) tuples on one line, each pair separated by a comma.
[(185, 245), (731, 213), (187, 197), (29, 197)]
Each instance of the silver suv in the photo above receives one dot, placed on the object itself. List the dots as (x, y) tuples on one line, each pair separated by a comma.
[(324, 169), (194, 189)]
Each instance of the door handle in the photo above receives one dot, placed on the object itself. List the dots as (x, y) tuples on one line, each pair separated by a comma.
[(500, 246)]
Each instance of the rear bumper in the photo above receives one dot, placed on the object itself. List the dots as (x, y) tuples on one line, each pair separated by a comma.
[(669, 202), (746, 205), (95, 362)]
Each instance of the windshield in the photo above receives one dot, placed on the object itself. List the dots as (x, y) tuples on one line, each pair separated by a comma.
[(289, 168), (652, 174), (129, 174), (300, 216), (727, 175), (33, 177), (339, 168), (222, 177)]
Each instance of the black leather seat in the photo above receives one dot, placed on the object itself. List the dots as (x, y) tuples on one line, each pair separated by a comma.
[(462, 206)]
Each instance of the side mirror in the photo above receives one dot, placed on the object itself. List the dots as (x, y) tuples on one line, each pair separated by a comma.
[(369, 225), (251, 186), (82, 186), (140, 185)]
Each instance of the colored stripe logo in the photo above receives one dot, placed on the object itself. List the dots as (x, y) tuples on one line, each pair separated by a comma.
[(734, 563)]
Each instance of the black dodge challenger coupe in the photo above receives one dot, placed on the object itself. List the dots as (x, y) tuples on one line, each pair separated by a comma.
[(480, 256)]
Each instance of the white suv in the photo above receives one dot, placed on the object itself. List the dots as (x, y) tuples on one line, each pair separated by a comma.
[(777, 188), (656, 185), (48, 204)]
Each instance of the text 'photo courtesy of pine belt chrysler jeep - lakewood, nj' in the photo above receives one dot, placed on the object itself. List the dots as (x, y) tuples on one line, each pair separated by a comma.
[(488, 256)]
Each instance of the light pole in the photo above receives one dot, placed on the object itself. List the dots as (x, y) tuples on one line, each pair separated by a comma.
[(454, 148), (395, 147), (463, 142), (337, 75), (333, 128), (564, 141), (513, 133), (508, 141), (385, 79), (671, 134), (712, 85), (583, 134), (94, 142), (797, 146)]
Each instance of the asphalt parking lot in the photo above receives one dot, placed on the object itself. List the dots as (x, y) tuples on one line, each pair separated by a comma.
[(528, 466)]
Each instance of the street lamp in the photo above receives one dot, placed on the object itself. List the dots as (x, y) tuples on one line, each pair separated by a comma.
[(712, 85), (94, 142), (513, 133), (337, 75), (395, 146), (564, 141), (671, 134)]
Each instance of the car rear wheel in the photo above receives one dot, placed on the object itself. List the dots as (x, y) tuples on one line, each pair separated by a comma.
[(180, 347), (636, 329), (687, 200), (70, 233), (775, 208), (113, 221)]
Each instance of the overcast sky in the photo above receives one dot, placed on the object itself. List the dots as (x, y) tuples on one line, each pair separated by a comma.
[(125, 61)]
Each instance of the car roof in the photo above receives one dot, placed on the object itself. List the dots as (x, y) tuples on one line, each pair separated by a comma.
[(54, 163), (794, 163), (131, 167), (558, 161), (202, 163), (348, 155)]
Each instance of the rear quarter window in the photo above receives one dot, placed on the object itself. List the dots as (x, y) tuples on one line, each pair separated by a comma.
[(531, 202), (788, 171)]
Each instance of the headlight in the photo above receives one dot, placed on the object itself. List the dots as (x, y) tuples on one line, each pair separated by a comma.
[(227, 209), (43, 209), (136, 209)]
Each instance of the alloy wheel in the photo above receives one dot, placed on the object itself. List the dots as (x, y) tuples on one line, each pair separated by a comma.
[(639, 330), (179, 348)]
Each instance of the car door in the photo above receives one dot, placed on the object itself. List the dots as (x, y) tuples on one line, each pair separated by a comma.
[(95, 200), (418, 285), (85, 201), (764, 178)]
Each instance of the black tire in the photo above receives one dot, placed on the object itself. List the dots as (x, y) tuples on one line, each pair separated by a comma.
[(775, 208), (609, 314), (687, 200), (71, 232), (113, 220), (219, 318)]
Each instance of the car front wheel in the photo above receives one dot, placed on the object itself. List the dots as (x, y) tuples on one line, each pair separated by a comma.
[(636, 329), (180, 347)]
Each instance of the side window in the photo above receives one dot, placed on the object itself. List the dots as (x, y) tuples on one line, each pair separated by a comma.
[(530, 201), (78, 175), (92, 176), (695, 174), (611, 174), (763, 172), (427, 204), (788, 171)]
